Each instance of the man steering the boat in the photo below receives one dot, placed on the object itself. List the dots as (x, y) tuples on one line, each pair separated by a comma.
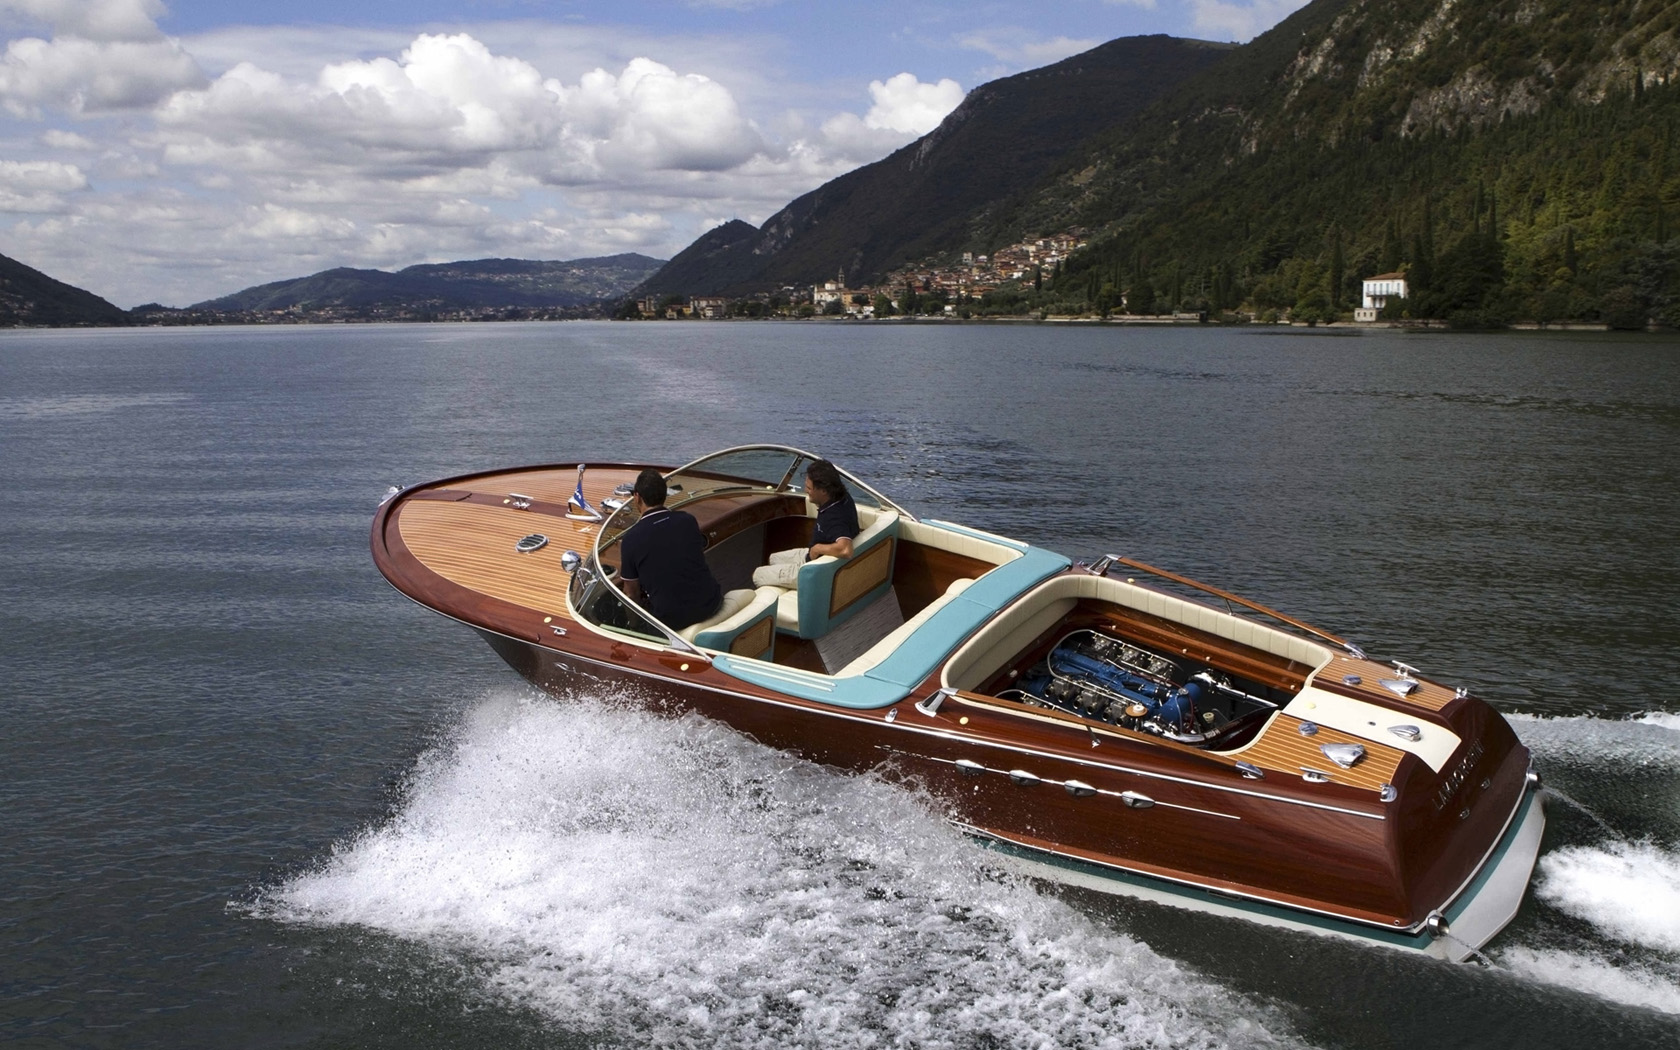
[(837, 525), (664, 559)]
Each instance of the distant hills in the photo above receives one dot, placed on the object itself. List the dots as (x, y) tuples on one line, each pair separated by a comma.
[(29, 297), (441, 288), (1516, 160), (480, 289)]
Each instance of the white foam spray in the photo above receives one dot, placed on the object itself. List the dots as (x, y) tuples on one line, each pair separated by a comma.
[(1628, 891), (1598, 975), (673, 883)]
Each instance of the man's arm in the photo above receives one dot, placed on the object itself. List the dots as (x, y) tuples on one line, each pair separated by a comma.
[(840, 548)]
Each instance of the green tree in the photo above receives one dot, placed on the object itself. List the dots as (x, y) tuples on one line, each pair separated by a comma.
[(1338, 269)]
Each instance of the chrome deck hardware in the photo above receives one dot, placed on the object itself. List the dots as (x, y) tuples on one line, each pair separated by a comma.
[(1344, 755), (930, 706)]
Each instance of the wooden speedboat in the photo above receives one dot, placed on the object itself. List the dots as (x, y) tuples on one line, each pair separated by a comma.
[(1087, 725)]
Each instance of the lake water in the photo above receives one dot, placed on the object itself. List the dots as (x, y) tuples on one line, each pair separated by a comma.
[(250, 796)]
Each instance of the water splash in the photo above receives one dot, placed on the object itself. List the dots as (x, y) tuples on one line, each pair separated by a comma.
[(1664, 719), (1655, 986), (1630, 890), (675, 883)]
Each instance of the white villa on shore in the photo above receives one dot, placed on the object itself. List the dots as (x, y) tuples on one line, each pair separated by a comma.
[(1377, 291)]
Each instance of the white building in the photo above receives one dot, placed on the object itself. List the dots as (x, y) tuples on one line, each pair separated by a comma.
[(1378, 290)]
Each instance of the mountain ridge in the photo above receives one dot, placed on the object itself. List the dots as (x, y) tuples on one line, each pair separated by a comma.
[(933, 190), (29, 298)]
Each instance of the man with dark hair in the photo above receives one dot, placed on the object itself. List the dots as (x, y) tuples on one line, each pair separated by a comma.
[(663, 565), (837, 526)]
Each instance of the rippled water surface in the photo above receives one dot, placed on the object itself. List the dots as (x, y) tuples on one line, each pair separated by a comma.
[(250, 796)]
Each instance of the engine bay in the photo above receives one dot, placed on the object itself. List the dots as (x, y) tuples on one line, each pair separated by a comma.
[(1105, 678)]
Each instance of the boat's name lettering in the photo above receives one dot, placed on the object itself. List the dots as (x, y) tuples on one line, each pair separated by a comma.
[(1460, 773)]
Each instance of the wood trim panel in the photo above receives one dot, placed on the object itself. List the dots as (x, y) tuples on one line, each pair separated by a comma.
[(861, 575), (755, 639), (922, 573)]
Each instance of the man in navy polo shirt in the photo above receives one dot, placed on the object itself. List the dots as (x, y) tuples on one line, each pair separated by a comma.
[(664, 560), (837, 526)]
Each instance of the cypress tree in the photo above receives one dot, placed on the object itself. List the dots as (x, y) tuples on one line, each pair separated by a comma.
[(1391, 246), (1338, 269)]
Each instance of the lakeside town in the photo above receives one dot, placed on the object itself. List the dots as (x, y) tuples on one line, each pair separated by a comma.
[(959, 288)]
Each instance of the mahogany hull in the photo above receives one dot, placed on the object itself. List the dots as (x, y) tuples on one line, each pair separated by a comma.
[(1208, 841), (1446, 844)]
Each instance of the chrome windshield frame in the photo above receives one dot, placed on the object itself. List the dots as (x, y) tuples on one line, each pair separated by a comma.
[(786, 485)]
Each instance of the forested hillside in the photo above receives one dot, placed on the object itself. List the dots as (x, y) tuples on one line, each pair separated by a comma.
[(1516, 158)]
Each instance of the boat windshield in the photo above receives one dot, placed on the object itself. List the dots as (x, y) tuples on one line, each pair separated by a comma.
[(762, 468), (734, 471)]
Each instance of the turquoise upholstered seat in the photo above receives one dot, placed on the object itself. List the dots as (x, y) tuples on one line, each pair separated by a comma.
[(744, 625)]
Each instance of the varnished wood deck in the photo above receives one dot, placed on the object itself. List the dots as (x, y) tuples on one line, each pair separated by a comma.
[(1427, 695), (466, 532), (1282, 749)]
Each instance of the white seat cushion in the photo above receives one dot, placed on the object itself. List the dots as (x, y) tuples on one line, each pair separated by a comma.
[(733, 602)]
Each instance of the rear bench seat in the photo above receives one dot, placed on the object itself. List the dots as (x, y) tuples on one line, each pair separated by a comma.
[(887, 672)]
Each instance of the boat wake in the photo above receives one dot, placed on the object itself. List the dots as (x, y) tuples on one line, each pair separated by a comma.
[(1648, 741), (1627, 891), (671, 882)]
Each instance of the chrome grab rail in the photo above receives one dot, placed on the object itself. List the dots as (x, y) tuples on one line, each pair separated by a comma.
[(1102, 566)]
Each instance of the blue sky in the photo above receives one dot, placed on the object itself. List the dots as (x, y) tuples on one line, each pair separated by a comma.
[(173, 153)]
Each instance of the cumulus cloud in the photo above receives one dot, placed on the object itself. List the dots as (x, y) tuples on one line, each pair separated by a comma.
[(1241, 22), (904, 109), (91, 76), (448, 103), (104, 20), (652, 117), (58, 138), (105, 55), (905, 104), (37, 186)]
